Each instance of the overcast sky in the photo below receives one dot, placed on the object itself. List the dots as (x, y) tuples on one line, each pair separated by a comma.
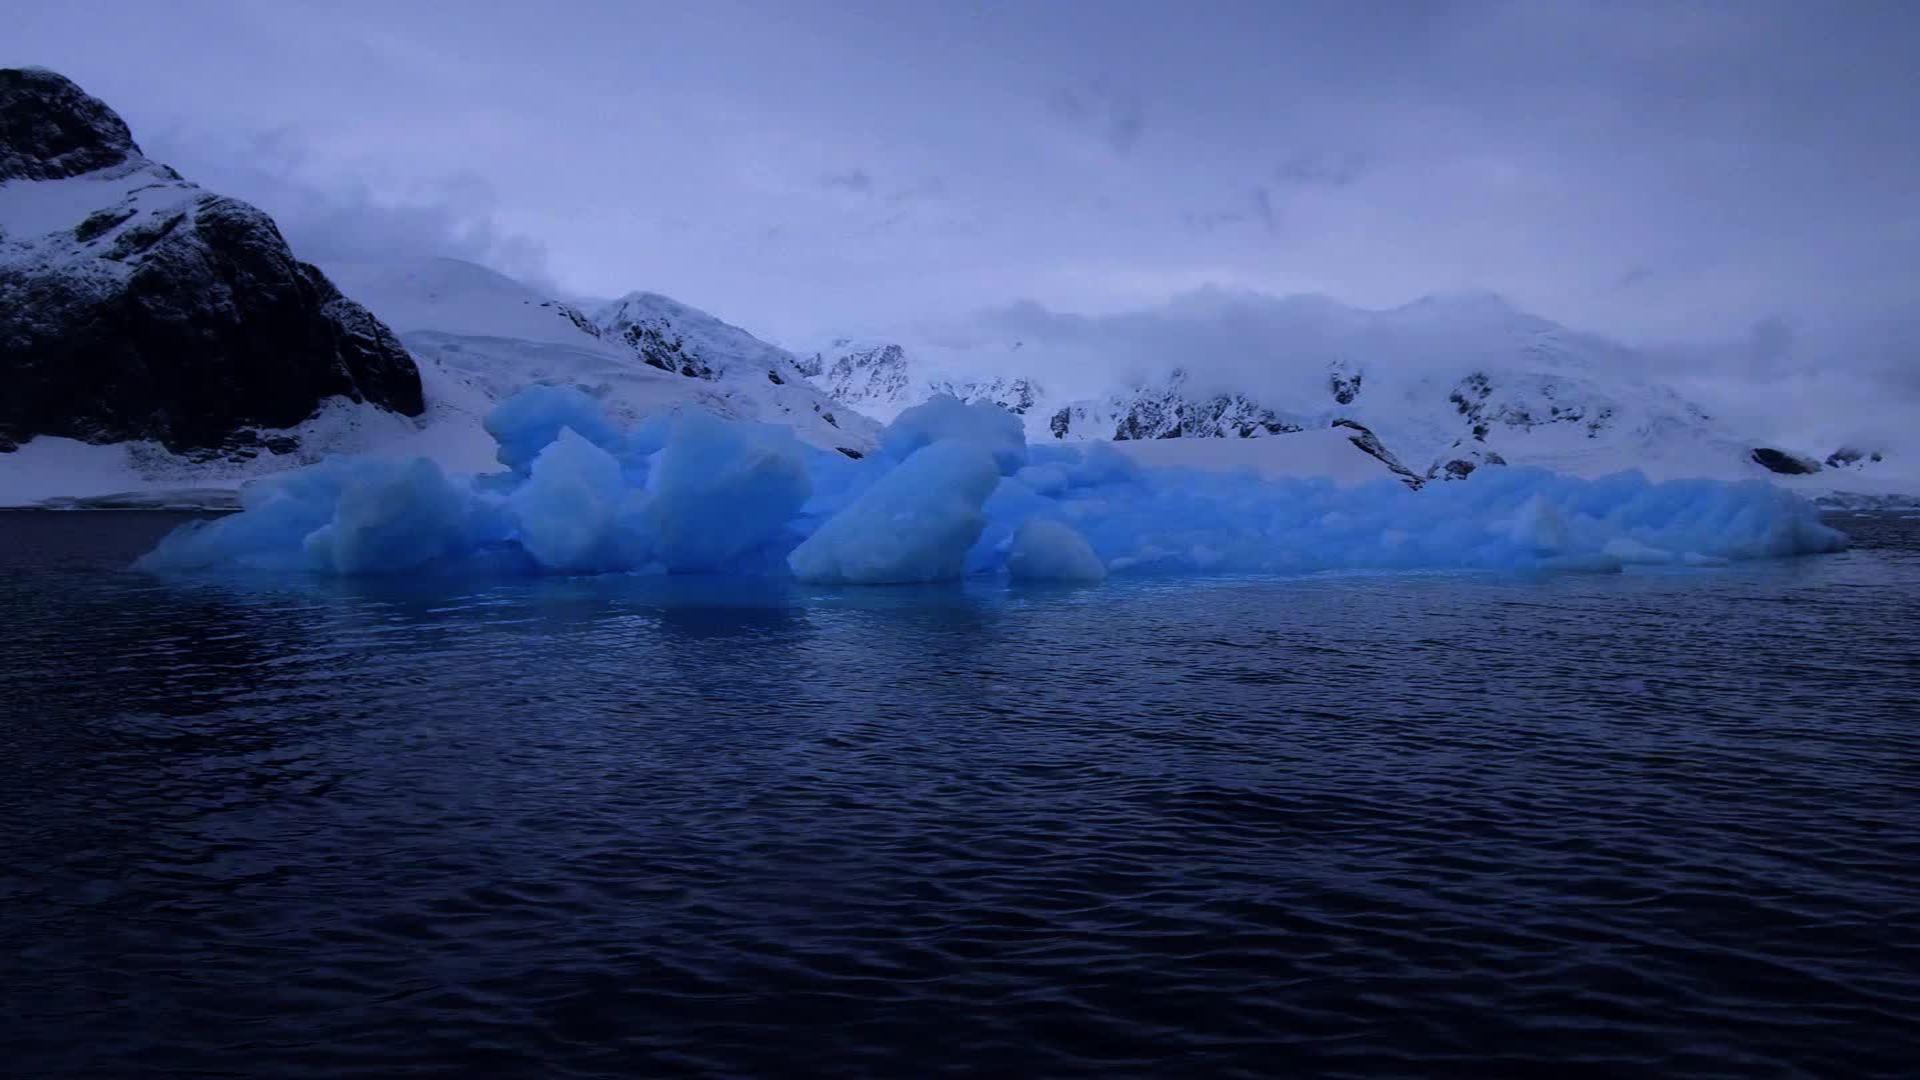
[(1650, 170)]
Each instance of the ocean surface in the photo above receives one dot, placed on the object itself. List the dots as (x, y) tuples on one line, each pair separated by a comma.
[(1366, 825)]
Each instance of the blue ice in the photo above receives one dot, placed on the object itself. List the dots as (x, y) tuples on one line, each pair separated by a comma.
[(952, 491)]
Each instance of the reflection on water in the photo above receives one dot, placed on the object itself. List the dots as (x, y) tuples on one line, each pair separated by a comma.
[(1365, 824)]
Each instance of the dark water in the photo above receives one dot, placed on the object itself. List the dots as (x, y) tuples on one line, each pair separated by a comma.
[(1419, 825)]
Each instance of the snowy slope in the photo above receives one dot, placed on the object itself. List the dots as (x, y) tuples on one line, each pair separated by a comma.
[(477, 337), (882, 378)]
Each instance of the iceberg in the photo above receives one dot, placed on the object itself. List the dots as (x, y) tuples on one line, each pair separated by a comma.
[(953, 491), (916, 523), (1047, 550)]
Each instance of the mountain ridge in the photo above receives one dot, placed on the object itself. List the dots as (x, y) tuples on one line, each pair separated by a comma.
[(1449, 383), (139, 305)]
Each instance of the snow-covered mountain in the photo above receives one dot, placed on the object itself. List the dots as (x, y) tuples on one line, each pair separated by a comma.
[(639, 354), (137, 305), (1442, 386), (154, 336), (879, 377), (477, 337)]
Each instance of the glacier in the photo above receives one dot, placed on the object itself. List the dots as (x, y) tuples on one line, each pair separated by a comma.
[(953, 490)]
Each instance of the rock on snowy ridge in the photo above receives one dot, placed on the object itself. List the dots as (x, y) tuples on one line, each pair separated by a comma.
[(136, 305)]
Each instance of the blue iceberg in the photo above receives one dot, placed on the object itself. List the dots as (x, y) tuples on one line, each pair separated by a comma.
[(953, 490)]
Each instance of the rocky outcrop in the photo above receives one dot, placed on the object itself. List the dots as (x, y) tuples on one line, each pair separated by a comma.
[(864, 374), (51, 129), (884, 377), (1779, 461), (158, 310), (1344, 381), (667, 334), (1462, 460), (1014, 395), (1849, 457), (1170, 409), (657, 345), (1368, 443), (1527, 401)]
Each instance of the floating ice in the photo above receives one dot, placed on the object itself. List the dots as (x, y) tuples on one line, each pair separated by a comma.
[(575, 512), (719, 490), (952, 491), (944, 417), (914, 524), (525, 423), (1046, 550)]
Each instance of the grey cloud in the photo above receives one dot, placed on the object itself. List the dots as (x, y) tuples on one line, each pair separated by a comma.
[(857, 181), (1634, 278), (1116, 115), (1255, 208), (1750, 154), (1322, 169), (1263, 209), (930, 189), (456, 216)]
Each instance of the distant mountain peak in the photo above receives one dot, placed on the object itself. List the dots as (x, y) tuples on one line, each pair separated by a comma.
[(1477, 301)]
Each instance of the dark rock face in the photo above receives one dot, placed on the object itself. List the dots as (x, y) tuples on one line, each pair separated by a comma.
[(1485, 406), (1014, 395), (1850, 457), (876, 373), (657, 345), (1368, 443), (1780, 461), (175, 314), (50, 128), (1220, 417), (1344, 382), (1171, 411), (1462, 466)]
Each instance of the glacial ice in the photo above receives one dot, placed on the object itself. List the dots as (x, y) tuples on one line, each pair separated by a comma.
[(954, 490), (916, 523), (1047, 550), (527, 422), (944, 417)]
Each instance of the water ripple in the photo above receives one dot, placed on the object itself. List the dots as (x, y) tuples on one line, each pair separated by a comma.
[(1363, 825)]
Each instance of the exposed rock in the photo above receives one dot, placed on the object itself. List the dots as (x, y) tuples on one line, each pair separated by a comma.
[(1014, 395), (168, 313), (865, 374), (1344, 381), (1370, 444), (1061, 422), (1786, 464), (1851, 457), (51, 129), (1462, 459), (658, 346), (883, 376), (1527, 401), (1170, 410), (573, 315), (669, 335)]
